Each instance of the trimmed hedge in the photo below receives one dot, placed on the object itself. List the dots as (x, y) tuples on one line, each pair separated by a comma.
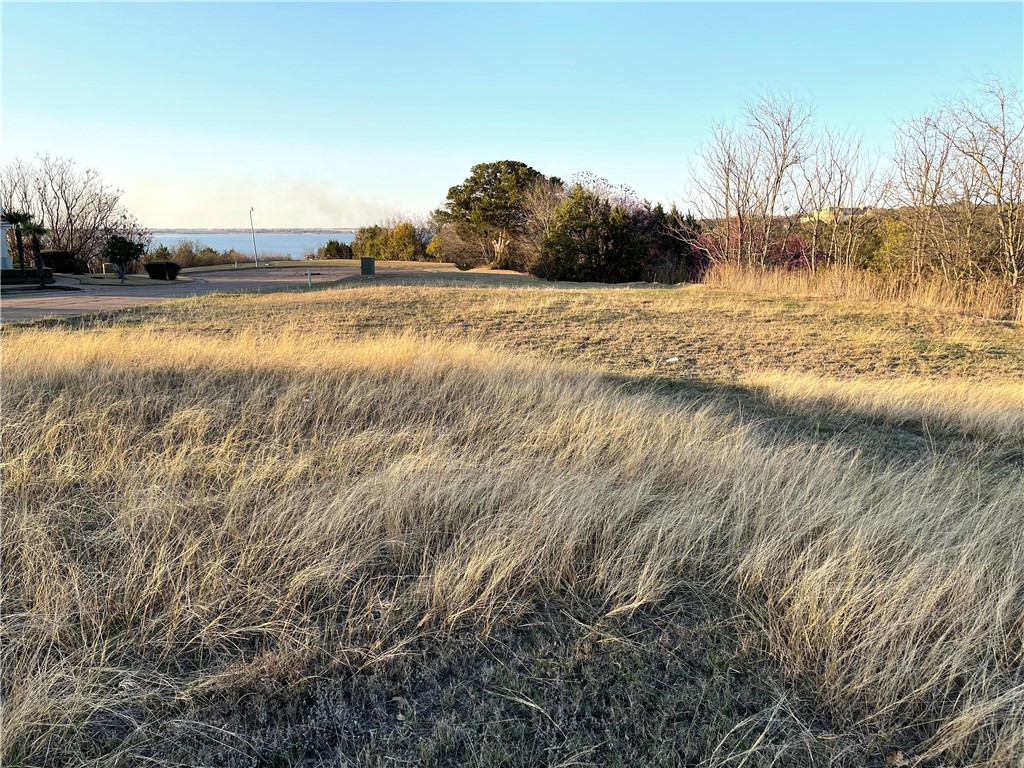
[(60, 261), (14, 276), (162, 270)]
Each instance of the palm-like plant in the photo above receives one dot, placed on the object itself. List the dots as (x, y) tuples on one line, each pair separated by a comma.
[(35, 232), (18, 220)]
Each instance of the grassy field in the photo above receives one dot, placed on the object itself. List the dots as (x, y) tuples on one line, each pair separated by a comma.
[(994, 300), (395, 522)]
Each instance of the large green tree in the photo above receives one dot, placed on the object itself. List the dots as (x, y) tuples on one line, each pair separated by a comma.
[(489, 209), (371, 242), (402, 243)]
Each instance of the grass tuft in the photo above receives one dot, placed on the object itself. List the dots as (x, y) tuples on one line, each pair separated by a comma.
[(280, 543)]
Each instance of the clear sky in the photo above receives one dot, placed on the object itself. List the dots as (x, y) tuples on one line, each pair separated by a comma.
[(325, 114)]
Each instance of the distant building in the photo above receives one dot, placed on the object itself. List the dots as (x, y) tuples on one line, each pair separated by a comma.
[(833, 215)]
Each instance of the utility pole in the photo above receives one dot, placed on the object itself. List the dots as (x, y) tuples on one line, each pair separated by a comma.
[(252, 229)]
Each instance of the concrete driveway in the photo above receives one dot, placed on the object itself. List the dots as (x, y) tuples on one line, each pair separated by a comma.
[(31, 304)]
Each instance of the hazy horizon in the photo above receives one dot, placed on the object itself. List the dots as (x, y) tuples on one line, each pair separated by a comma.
[(315, 113)]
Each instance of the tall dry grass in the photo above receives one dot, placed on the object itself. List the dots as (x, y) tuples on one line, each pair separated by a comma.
[(181, 513), (992, 300)]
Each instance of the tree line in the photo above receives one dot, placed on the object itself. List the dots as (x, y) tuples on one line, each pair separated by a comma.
[(510, 216), (73, 213), (777, 189), (772, 190)]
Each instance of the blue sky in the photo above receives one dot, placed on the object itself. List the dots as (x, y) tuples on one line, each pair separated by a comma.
[(328, 114)]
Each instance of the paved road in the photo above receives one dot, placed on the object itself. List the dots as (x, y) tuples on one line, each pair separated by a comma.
[(32, 304)]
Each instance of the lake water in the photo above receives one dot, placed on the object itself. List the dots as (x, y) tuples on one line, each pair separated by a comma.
[(287, 245)]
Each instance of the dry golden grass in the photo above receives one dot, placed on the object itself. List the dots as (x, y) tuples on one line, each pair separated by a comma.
[(993, 300), (192, 517), (713, 334)]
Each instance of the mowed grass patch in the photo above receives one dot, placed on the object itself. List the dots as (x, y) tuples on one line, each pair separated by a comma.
[(267, 544)]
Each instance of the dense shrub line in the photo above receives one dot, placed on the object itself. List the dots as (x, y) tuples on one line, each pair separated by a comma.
[(192, 253)]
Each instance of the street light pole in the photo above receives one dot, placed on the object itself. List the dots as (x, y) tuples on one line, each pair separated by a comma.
[(252, 229)]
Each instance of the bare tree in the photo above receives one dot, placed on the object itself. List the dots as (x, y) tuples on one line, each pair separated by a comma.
[(960, 174), (77, 208), (749, 191), (844, 187), (963, 237), (540, 202), (780, 130), (818, 177), (956, 182), (921, 166), (724, 195), (988, 133)]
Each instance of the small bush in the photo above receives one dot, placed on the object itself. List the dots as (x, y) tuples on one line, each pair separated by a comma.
[(333, 249), (60, 261), (163, 270), (402, 241)]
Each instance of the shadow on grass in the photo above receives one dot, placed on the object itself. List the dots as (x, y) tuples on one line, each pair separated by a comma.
[(887, 442), (557, 685)]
